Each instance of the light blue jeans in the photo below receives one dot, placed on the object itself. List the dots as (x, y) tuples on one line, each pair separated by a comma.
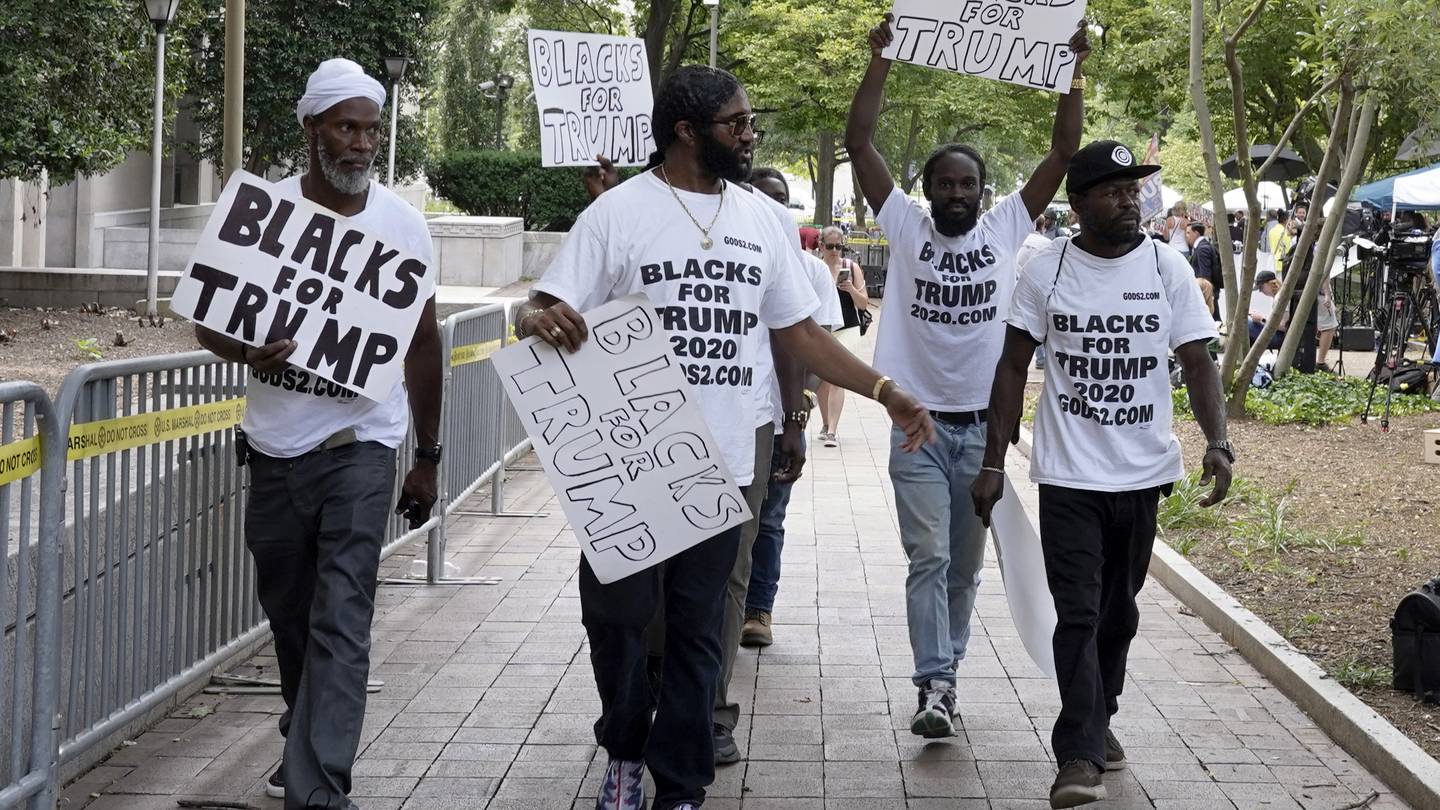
[(944, 541)]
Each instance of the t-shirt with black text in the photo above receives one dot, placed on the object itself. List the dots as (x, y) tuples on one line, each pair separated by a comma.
[(1108, 325), (291, 412), (942, 325), (713, 304)]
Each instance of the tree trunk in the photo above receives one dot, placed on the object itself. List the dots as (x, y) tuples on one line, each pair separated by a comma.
[(903, 173), (1212, 172), (657, 24), (824, 176), (1328, 166), (860, 204), (1319, 266)]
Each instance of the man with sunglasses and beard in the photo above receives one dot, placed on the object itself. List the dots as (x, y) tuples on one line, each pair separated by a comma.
[(941, 328), (717, 265), (1109, 306), (322, 463)]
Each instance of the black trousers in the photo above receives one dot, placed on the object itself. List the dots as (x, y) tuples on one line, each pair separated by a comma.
[(314, 525), (1097, 550), (677, 745)]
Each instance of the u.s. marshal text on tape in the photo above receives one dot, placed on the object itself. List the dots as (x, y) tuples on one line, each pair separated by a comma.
[(621, 438), (89, 439)]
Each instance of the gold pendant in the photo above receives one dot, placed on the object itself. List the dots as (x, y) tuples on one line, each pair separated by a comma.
[(707, 243)]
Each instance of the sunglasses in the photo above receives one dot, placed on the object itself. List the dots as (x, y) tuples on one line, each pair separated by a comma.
[(834, 247), (740, 124)]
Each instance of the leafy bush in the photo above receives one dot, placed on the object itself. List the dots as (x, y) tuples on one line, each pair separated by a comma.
[(1316, 399), (511, 184)]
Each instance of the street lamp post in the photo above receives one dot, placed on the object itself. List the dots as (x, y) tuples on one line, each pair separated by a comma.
[(395, 66), (714, 27), (161, 13)]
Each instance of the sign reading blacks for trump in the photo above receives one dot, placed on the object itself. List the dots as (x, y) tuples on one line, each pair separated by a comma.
[(1024, 42), (271, 266), (618, 432), (593, 92)]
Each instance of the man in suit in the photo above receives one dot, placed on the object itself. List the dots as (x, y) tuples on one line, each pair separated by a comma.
[(1206, 262)]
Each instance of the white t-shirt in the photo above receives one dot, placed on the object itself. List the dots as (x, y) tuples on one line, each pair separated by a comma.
[(714, 304), (1035, 242), (292, 412), (829, 314), (1262, 304), (943, 321), (1108, 325)]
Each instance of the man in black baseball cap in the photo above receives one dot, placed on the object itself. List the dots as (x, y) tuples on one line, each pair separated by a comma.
[(1109, 305)]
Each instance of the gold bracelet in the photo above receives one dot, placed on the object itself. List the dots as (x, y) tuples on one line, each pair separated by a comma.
[(1078, 83), (520, 324), (879, 385)]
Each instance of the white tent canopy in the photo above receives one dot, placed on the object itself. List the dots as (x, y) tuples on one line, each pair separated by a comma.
[(1421, 189), (1270, 194), (1169, 196)]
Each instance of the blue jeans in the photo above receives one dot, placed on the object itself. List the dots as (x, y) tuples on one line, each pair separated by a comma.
[(765, 553), (944, 541)]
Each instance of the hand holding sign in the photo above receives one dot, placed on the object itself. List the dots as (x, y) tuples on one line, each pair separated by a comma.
[(269, 358), (557, 324)]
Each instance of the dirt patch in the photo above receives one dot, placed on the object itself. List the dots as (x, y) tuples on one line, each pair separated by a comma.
[(1338, 523), (44, 345)]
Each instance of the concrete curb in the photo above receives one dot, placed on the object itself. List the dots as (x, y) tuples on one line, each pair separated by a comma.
[(1413, 774)]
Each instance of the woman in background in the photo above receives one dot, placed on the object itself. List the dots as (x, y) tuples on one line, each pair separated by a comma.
[(850, 286)]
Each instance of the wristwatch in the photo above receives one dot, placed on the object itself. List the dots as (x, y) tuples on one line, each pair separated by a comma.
[(800, 418), (1224, 447), (431, 453)]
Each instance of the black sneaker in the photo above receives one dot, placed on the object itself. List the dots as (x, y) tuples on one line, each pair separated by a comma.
[(275, 785), (726, 752), (1078, 783), (935, 716), (1114, 753)]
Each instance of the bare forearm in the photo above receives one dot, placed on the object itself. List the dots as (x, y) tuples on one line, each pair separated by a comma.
[(818, 351), (1007, 394), (223, 346), (865, 109), (424, 382), (791, 374), (1069, 121), (1202, 383)]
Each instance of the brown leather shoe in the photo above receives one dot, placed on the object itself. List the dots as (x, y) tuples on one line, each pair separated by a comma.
[(756, 632)]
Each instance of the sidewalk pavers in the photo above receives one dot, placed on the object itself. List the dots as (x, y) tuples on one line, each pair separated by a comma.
[(488, 699)]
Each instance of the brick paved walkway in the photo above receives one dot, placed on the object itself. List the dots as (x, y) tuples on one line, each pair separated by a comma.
[(488, 698)]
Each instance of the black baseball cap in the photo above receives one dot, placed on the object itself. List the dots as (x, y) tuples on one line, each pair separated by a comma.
[(1101, 161)]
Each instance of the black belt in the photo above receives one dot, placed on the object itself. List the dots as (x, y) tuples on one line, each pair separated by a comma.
[(959, 418)]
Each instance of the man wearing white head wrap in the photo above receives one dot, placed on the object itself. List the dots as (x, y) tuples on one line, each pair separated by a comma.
[(322, 463)]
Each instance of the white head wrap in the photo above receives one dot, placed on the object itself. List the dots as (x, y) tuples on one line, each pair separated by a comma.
[(333, 82)]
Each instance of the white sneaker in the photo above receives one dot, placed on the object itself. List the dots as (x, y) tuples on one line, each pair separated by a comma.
[(623, 787), (829, 440), (935, 716)]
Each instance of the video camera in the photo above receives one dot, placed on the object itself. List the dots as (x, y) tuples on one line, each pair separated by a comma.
[(1408, 251)]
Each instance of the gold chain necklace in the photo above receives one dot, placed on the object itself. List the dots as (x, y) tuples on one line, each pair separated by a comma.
[(705, 241)]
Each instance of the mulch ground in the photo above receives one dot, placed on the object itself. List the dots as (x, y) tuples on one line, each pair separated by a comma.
[(1335, 602)]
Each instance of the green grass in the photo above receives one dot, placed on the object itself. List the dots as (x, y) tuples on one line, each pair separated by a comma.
[(1316, 399), (1352, 674)]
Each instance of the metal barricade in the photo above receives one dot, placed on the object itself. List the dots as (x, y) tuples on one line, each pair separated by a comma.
[(160, 589), (29, 607)]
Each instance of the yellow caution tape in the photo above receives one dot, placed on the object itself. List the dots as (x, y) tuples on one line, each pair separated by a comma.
[(473, 353), (19, 459), (143, 429)]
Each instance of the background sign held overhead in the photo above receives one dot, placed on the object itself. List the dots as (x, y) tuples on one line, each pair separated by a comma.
[(1024, 43), (271, 265), (594, 98), (622, 441)]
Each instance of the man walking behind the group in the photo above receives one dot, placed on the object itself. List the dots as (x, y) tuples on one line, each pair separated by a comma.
[(949, 281), (1109, 305), (322, 468), (1206, 262)]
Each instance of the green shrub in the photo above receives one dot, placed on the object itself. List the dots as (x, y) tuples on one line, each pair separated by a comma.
[(1316, 399), (511, 184)]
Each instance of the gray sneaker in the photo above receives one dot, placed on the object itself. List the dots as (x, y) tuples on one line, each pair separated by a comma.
[(623, 787), (935, 716), (1114, 753), (726, 752)]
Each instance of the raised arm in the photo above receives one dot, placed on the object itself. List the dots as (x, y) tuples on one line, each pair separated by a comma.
[(1064, 136), (868, 165)]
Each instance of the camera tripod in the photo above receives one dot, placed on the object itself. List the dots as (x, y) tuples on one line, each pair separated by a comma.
[(1413, 310)]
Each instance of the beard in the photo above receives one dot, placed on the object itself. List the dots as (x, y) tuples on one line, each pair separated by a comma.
[(1115, 232), (722, 161), (945, 222), (345, 181)]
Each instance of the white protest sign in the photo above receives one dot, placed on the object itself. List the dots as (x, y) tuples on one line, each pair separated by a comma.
[(622, 440), (1022, 566), (1024, 43), (271, 265), (593, 94)]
